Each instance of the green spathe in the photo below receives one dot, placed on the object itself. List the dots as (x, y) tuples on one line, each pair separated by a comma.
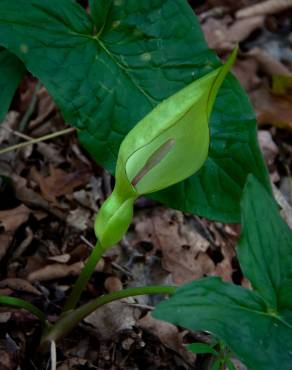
[(168, 145)]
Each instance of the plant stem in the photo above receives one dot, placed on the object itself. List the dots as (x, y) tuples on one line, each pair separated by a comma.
[(83, 278), (37, 140), (71, 318), (20, 303)]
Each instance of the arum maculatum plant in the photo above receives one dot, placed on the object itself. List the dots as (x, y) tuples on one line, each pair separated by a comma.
[(168, 145)]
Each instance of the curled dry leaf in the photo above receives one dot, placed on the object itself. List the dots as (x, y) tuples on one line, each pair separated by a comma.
[(267, 63), (264, 8), (20, 285), (223, 37), (113, 284), (31, 197), (11, 219), (59, 183), (63, 258), (168, 335), (241, 29), (55, 271), (183, 248), (246, 71)]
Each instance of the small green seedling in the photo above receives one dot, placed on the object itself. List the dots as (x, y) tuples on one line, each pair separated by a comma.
[(221, 355)]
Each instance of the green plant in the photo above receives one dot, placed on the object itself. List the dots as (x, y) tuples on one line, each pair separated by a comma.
[(256, 324), (134, 69), (220, 354)]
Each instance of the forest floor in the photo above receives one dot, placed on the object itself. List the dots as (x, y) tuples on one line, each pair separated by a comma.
[(53, 189)]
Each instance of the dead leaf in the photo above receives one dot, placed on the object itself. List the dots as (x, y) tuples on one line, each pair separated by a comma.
[(20, 285), (59, 183), (183, 248), (111, 319), (11, 219), (268, 146), (80, 219), (168, 335), (5, 241), (216, 34), (55, 271), (267, 63), (246, 71), (113, 284), (241, 29), (286, 208), (272, 109), (63, 258), (264, 8), (31, 197)]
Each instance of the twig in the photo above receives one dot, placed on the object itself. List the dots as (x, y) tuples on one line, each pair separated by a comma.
[(53, 355), (37, 140)]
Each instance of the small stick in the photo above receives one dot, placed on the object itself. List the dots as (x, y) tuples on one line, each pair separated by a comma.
[(53, 355), (37, 140)]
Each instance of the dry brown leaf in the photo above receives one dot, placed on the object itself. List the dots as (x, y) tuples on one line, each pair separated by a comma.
[(59, 183), (223, 37), (79, 218), (20, 285), (55, 271), (111, 319), (30, 197), (63, 258), (5, 241), (246, 71), (264, 8), (168, 335), (113, 284), (241, 29), (272, 109), (11, 219), (267, 63), (216, 34), (21, 248), (45, 107), (183, 248)]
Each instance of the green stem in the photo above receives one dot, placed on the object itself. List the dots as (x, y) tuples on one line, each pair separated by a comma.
[(20, 303), (83, 278), (71, 318)]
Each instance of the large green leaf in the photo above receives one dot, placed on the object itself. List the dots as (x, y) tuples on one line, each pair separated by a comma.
[(265, 248), (107, 72), (237, 316), (256, 325), (11, 73)]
